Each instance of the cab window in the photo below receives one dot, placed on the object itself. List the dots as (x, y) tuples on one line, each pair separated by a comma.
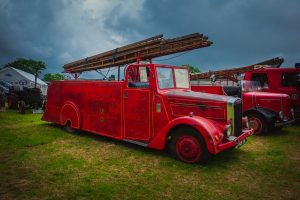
[(138, 77), (261, 78), (289, 79)]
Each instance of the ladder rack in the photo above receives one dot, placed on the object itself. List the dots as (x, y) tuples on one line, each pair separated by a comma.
[(231, 74), (144, 50)]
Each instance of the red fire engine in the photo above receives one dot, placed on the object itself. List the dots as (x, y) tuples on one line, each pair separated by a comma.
[(153, 106), (279, 80), (265, 110)]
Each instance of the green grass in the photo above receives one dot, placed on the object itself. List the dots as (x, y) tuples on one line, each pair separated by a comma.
[(39, 160)]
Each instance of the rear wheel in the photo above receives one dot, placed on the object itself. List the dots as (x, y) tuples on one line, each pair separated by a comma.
[(188, 146), (68, 128), (257, 123)]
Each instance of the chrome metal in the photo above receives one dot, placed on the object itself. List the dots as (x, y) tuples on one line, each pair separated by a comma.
[(230, 112)]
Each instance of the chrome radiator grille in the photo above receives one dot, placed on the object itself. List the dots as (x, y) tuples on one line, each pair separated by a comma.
[(235, 114)]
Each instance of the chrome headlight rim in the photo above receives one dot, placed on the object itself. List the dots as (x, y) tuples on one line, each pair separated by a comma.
[(247, 122), (280, 114), (228, 130)]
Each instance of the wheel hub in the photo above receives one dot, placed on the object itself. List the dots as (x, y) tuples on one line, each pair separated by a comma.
[(255, 124), (188, 148)]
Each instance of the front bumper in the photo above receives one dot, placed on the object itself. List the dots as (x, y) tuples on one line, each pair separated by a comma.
[(284, 123), (234, 141)]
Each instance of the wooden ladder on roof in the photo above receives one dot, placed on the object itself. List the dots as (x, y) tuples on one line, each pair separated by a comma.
[(144, 50), (231, 74)]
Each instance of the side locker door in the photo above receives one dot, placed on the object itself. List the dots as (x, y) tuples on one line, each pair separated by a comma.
[(137, 114)]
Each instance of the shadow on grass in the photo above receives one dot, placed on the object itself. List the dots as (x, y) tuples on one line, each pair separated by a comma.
[(226, 157), (278, 132)]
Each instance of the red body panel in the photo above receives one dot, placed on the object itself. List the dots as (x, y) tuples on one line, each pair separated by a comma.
[(145, 114), (272, 101), (274, 78)]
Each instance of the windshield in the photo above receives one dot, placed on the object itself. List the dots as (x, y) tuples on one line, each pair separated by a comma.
[(182, 78), (165, 76), (250, 86)]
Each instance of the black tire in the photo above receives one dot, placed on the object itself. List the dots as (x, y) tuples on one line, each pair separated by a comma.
[(188, 145), (258, 123), (68, 128)]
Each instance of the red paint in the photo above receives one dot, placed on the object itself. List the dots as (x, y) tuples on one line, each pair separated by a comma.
[(253, 100), (143, 113), (275, 84)]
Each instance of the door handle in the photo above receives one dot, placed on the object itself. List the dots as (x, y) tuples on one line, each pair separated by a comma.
[(126, 95)]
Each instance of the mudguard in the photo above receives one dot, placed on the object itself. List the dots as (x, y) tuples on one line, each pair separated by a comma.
[(207, 128), (268, 114)]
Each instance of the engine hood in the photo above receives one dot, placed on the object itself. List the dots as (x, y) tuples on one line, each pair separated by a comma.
[(190, 95), (202, 104)]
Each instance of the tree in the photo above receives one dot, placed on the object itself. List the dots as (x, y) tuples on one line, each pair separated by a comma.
[(28, 65), (194, 69), (51, 77)]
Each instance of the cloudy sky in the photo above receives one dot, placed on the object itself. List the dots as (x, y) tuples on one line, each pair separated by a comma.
[(60, 31)]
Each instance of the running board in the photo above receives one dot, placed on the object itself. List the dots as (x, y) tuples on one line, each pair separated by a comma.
[(136, 142)]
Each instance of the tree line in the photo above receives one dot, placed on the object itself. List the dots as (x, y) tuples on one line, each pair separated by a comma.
[(35, 67)]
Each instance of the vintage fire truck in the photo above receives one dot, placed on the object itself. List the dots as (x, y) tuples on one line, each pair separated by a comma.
[(265, 111), (153, 107), (279, 80), (270, 77)]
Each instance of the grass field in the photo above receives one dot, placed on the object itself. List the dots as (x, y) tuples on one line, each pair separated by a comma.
[(39, 160)]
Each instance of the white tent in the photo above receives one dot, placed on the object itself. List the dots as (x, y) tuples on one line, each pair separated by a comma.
[(20, 79)]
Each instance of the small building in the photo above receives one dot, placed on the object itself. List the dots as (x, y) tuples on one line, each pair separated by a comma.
[(20, 79)]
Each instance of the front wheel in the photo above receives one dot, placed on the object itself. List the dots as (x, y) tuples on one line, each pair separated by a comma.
[(257, 123), (188, 146)]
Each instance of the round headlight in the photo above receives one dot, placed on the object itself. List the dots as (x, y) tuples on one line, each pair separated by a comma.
[(228, 130), (246, 122), (280, 115)]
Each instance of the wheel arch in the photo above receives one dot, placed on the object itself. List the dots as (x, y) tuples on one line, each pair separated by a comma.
[(268, 115), (70, 114), (205, 127)]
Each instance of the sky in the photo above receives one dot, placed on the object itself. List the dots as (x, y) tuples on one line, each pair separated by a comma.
[(60, 31)]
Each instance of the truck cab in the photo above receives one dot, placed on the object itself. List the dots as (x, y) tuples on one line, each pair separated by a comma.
[(154, 107), (279, 80)]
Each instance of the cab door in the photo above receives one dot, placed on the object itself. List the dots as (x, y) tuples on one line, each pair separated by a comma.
[(137, 104)]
